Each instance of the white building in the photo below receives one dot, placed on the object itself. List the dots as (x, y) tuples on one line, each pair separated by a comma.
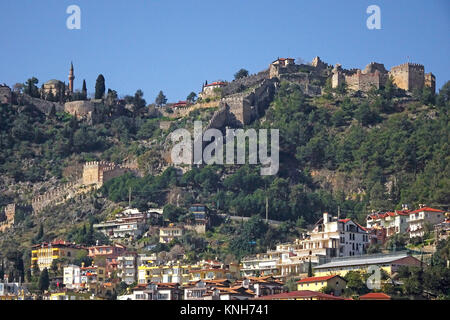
[(123, 227), (418, 219), (127, 268), (72, 276), (394, 222), (166, 235), (261, 264), (210, 90), (331, 237)]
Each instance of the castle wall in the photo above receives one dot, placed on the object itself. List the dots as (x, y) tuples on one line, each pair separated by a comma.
[(99, 172), (238, 85), (43, 105), (110, 173), (80, 108), (10, 212), (91, 173), (55, 196), (430, 81), (5, 94), (364, 82), (337, 79), (240, 105)]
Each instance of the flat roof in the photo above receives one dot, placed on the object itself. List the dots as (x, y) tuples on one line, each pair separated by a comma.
[(362, 261)]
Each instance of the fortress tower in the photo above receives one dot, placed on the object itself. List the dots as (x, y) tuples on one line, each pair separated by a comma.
[(71, 78), (408, 76)]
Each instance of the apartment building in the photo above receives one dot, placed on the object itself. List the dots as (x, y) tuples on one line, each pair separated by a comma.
[(420, 218), (330, 237), (166, 235), (44, 254), (127, 268)]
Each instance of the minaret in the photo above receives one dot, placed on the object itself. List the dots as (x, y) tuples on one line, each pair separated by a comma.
[(71, 78)]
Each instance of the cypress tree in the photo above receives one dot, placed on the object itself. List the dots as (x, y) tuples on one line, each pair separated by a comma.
[(100, 87), (84, 90), (44, 281), (310, 271)]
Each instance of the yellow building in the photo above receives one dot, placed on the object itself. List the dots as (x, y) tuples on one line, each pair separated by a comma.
[(336, 283), (209, 274), (387, 262), (44, 254), (164, 274)]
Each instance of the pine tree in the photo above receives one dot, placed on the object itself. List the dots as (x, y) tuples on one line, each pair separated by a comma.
[(161, 99), (100, 87)]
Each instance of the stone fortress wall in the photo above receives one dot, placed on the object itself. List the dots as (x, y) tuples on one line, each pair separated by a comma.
[(239, 85), (5, 94), (94, 175), (310, 77), (81, 108), (407, 76), (98, 172), (10, 212), (55, 196)]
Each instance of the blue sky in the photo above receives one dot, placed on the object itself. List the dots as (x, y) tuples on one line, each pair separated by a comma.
[(175, 46)]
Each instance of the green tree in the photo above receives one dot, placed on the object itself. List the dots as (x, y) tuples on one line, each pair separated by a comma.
[(310, 269), (100, 87), (84, 90), (355, 283), (172, 213), (139, 102), (242, 73), (389, 89), (44, 280), (31, 88), (160, 99), (192, 97)]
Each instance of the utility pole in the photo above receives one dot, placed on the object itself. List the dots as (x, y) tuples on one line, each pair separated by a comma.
[(267, 209), (339, 212)]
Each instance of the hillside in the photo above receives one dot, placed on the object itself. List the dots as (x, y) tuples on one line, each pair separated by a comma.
[(341, 152)]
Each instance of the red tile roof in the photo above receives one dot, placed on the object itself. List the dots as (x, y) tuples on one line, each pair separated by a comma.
[(344, 220), (427, 209), (180, 103), (217, 83), (375, 296)]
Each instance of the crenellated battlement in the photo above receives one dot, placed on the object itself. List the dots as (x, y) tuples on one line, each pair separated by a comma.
[(407, 76), (55, 196), (409, 65), (98, 172)]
